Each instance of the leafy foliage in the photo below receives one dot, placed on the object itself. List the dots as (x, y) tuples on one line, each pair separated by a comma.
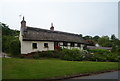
[(15, 47), (36, 55), (103, 55), (7, 31), (104, 41), (10, 41), (101, 51), (72, 55)]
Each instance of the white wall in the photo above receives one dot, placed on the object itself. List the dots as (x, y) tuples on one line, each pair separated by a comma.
[(26, 46), (69, 47)]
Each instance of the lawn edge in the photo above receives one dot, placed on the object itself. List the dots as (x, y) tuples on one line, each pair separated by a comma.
[(80, 75)]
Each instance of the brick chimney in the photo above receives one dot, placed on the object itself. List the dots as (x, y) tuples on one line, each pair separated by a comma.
[(52, 27), (23, 23)]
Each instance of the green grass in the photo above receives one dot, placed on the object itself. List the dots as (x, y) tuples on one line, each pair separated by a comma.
[(14, 68)]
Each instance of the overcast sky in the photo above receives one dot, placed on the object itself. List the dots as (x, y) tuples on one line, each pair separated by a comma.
[(96, 17)]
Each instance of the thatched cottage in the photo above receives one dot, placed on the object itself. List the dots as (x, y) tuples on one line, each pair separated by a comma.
[(37, 39)]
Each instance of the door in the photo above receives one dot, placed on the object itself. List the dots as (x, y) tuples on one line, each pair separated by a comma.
[(55, 45)]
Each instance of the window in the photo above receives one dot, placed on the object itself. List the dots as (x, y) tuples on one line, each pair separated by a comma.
[(34, 45), (45, 45), (72, 44), (64, 43), (78, 45)]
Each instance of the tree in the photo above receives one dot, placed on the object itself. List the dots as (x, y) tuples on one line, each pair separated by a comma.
[(87, 37), (80, 35), (7, 31), (8, 36), (15, 47), (113, 37), (104, 41), (95, 38)]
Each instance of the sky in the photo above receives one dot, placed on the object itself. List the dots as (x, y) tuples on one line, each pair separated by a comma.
[(87, 17)]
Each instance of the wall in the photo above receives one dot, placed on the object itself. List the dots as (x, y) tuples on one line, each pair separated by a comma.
[(26, 46), (69, 47)]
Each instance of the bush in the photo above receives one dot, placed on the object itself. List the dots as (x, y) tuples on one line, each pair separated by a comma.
[(36, 55), (118, 49), (100, 51), (21, 56), (98, 57), (86, 55), (113, 57), (72, 55), (15, 47), (49, 54)]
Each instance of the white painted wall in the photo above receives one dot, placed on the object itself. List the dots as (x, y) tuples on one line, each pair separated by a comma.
[(26, 46), (69, 47)]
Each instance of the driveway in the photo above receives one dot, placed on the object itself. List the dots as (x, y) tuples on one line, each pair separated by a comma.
[(108, 75)]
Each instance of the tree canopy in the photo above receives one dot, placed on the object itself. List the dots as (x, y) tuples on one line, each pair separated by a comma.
[(10, 39)]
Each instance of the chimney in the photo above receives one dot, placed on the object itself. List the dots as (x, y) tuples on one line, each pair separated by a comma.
[(23, 23), (52, 27)]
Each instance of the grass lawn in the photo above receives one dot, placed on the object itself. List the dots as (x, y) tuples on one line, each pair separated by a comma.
[(14, 68)]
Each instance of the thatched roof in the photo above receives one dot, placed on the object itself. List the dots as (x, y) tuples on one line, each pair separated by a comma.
[(38, 34)]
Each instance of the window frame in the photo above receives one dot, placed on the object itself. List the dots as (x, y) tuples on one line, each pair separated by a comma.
[(46, 45), (34, 45), (72, 44), (64, 43), (78, 45)]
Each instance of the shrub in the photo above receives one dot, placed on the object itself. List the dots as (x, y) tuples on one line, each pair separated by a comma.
[(118, 49), (56, 54), (48, 53), (36, 55), (112, 57), (101, 51), (15, 47), (86, 55), (105, 57), (21, 56), (97, 57), (72, 55)]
